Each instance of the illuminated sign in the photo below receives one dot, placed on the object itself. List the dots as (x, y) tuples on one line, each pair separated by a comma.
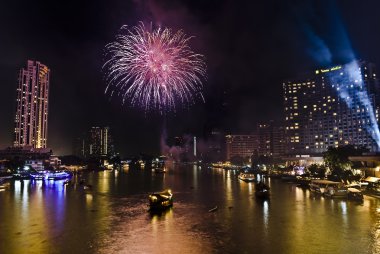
[(328, 70)]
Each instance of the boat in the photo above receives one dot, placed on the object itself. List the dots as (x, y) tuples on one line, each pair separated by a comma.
[(58, 175), (328, 188), (158, 165), (319, 186), (87, 187), (372, 185), (354, 194), (4, 186), (213, 209), (4, 178), (38, 175), (336, 190), (21, 176), (159, 170), (246, 177), (304, 180), (161, 200), (261, 190)]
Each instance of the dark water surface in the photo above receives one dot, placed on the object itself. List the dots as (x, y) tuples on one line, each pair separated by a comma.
[(113, 218)]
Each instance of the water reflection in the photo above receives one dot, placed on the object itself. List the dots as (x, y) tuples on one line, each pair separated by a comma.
[(112, 217), (266, 214)]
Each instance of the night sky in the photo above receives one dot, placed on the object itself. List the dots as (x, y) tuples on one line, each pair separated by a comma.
[(251, 47)]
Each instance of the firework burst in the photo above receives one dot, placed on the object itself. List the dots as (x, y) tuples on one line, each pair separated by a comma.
[(153, 68)]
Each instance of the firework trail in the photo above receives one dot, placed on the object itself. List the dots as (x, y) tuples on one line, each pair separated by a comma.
[(153, 68)]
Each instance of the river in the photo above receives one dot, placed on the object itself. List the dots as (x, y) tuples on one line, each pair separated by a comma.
[(112, 217)]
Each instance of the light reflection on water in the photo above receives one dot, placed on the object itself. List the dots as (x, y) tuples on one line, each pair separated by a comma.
[(112, 217)]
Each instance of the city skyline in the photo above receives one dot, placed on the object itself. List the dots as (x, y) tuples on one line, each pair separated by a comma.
[(239, 93)]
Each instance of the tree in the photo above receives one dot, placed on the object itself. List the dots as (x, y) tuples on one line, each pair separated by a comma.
[(317, 170), (336, 158)]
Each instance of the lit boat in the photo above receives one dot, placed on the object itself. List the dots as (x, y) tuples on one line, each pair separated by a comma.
[(58, 175), (21, 176), (161, 200), (213, 209), (158, 165), (159, 170), (262, 190), (354, 194), (38, 175), (328, 188), (246, 177)]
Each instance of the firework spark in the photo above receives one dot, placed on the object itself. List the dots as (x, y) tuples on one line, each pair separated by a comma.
[(153, 68)]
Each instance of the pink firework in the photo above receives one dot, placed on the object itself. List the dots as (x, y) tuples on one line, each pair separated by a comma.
[(154, 69)]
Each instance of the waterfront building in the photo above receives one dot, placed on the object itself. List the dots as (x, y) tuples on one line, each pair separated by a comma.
[(331, 107), (31, 119), (241, 145)]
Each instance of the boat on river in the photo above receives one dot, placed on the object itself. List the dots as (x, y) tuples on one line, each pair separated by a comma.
[(161, 200), (354, 194), (58, 175), (262, 190), (247, 177), (159, 170), (38, 175), (328, 188)]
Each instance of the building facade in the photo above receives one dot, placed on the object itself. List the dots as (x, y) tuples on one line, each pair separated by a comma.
[(242, 146), (330, 108), (97, 142), (31, 120), (271, 139)]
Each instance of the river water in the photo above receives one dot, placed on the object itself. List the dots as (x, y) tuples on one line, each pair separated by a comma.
[(112, 217)]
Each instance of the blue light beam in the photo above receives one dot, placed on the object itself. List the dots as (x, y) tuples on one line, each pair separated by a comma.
[(353, 90)]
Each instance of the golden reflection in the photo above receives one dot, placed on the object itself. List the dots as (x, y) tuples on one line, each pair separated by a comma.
[(195, 176), (343, 207), (229, 194), (104, 181), (31, 220), (250, 188), (89, 199)]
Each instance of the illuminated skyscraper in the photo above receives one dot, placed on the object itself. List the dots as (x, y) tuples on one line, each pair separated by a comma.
[(332, 107), (97, 142), (31, 120)]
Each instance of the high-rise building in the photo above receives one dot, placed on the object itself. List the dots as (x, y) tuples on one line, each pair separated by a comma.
[(241, 145), (31, 120), (271, 139), (330, 108), (96, 142)]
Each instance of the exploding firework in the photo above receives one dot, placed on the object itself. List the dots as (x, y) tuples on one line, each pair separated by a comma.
[(153, 68)]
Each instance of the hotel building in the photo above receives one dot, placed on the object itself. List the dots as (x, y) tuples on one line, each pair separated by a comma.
[(330, 108)]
